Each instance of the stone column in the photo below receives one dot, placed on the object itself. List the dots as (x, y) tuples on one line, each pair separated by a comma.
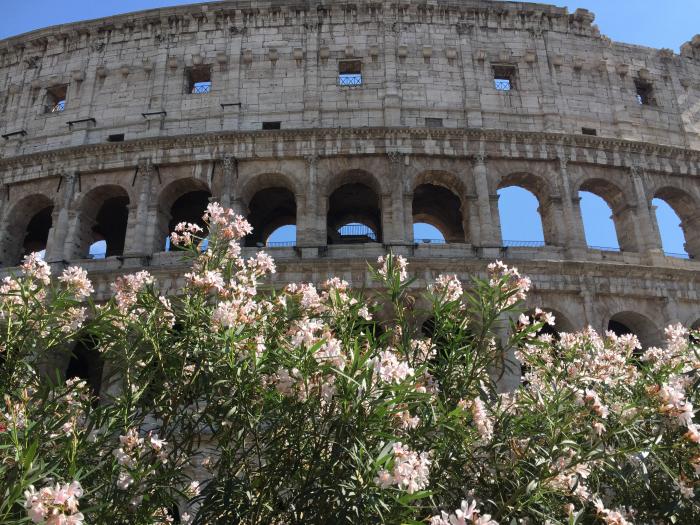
[(392, 94), (573, 233), (648, 242), (489, 234), (140, 238), (311, 219), (229, 172), (58, 235), (408, 216), (393, 222)]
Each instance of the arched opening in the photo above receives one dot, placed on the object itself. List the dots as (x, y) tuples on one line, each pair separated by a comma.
[(427, 234), (598, 224), (86, 363), (184, 200), (283, 236), (637, 324), (28, 226), (440, 208), (599, 235), (678, 221), (521, 223), (38, 232), (103, 222), (354, 215), (271, 210)]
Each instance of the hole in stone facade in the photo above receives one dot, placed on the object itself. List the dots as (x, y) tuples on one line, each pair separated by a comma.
[(431, 122), (86, 363), (272, 125), (350, 73), (56, 98), (504, 77), (38, 232), (645, 92), (199, 80), (440, 208), (589, 131)]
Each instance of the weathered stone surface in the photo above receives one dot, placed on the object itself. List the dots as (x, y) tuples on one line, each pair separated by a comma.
[(425, 129)]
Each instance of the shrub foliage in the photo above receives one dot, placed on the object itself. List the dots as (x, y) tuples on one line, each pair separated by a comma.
[(235, 403)]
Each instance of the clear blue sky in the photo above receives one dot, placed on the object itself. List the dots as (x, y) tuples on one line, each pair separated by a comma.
[(653, 23)]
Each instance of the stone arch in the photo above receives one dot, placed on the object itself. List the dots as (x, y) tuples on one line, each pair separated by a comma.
[(354, 201), (353, 176), (687, 209), (103, 214), (182, 200), (270, 209), (629, 322), (261, 181), (28, 225), (540, 188), (438, 201), (623, 212)]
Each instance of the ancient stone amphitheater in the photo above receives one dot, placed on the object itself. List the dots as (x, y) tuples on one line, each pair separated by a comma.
[(353, 121)]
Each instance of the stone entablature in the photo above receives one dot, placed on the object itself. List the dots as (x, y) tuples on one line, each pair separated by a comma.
[(278, 62)]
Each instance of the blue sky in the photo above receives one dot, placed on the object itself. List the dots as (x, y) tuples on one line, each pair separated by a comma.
[(653, 23)]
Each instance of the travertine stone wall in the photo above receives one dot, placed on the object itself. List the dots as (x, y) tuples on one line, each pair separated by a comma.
[(278, 61)]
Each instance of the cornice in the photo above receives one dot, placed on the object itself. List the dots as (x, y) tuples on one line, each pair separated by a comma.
[(233, 15), (456, 143)]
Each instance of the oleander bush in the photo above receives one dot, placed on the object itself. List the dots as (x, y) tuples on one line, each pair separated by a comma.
[(231, 403)]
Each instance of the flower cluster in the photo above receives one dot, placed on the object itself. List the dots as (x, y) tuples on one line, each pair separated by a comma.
[(393, 262), (391, 369), (447, 287), (410, 471), (54, 505), (466, 514), (509, 281), (76, 281)]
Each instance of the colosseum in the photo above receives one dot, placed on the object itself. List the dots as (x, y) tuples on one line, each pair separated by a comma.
[(352, 121)]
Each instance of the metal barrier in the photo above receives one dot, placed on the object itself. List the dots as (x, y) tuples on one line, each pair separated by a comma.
[(523, 244), (350, 79), (429, 241), (357, 230)]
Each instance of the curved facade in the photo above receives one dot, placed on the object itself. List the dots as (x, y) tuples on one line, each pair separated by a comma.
[(329, 115)]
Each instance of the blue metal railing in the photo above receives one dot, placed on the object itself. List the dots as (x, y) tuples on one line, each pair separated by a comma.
[(357, 230), (523, 244), (429, 241), (677, 255), (605, 248), (502, 84), (350, 79), (201, 87), (278, 244)]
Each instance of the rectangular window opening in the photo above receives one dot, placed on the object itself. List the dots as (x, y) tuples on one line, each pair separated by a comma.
[(504, 78), (271, 125), (645, 93), (350, 73), (117, 137), (431, 122), (199, 80), (589, 131), (56, 98)]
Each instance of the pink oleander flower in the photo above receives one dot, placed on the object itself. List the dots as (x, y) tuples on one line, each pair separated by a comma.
[(55, 505), (206, 280), (410, 470), (229, 226), (72, 319), (127, 287), (447, 286), (390, 369), (466, 514), (483, 422), (510, 281), (399, 263), (35, 268), (76, 281), (262, 264)]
